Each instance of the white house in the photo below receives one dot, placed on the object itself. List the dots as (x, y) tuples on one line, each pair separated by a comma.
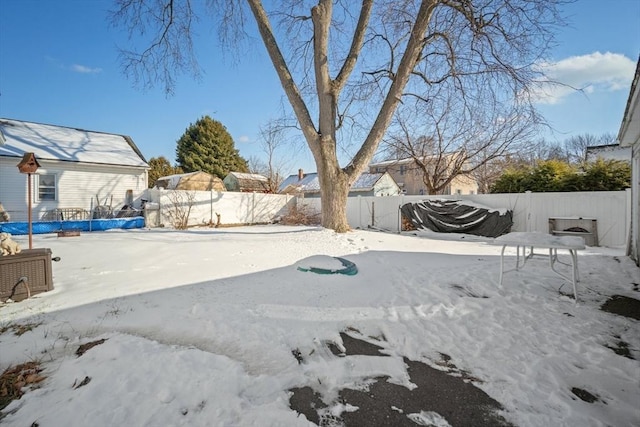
[(367, 184), (410, 177), (629, 136), (79, 169)]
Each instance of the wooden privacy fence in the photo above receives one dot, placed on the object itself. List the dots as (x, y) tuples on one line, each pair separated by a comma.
[(531, 211)]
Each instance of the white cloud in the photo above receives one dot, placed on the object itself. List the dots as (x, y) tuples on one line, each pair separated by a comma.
[(84, 69), (244, 138), (595, 72), (75, 67)]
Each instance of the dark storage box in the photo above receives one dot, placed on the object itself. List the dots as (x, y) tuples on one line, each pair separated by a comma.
[(32, 264)]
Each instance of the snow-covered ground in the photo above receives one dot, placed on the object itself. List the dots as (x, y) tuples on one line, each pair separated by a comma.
[(200, 326)]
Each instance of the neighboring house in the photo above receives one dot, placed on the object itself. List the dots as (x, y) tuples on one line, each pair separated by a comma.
[(608, 152), (367, 184), (199, 181), (409, 178), (629, 136), (79, 169), (246, 182)]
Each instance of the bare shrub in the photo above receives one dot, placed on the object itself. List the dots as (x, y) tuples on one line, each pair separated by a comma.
[(179, 208), (301, 215)]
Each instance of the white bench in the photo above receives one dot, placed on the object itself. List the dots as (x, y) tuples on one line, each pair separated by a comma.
[(533, 240)]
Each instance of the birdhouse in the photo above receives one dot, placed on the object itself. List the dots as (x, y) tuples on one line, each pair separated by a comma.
[(28, 164)]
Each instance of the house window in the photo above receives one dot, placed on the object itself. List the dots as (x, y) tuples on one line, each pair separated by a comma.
[(46, 187), (403, 169), (458, 191)]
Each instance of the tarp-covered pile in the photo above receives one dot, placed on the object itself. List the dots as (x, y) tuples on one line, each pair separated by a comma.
[(456, 216)]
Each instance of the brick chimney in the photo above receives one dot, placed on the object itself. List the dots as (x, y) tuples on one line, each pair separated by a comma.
[(300, 174)]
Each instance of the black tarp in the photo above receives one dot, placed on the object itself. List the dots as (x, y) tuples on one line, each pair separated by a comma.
[(454, 216)]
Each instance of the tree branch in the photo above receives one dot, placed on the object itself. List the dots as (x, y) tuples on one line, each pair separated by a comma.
[(280, 65), (390, 103), (356, 46)]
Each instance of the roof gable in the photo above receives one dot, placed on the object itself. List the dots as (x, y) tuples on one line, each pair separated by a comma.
[(50, 142)]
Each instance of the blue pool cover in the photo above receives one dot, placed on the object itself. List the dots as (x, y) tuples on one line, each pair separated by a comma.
[(42, 227)]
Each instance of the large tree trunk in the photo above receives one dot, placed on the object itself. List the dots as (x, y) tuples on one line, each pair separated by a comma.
[(334, 190)]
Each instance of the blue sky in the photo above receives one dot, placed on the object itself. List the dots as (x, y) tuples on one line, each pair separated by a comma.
[(58, 65)]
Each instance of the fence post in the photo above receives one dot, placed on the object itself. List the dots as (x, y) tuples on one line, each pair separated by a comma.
[(373, 214), (400, 213), (630, 223), (528, 217), (359, 211)]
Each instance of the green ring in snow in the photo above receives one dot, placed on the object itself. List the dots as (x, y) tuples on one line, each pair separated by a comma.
[(349, 269)]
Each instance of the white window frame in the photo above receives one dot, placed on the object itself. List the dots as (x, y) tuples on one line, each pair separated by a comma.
[(39, 187)]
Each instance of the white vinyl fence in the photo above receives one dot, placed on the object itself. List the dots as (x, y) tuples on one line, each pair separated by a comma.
[(531, 211), (204, 207)]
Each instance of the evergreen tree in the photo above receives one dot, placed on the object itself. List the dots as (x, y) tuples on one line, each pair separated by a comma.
[(160, 167), (207, 146), (607, 175), (557, 175)]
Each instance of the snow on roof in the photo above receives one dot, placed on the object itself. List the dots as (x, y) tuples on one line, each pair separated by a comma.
[(178, 176), (366, 181), (608, 152), (408, 160), (251, 176), (51, 142), (310, 182)]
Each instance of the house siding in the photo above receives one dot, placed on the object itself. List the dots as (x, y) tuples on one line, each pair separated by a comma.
[(77, 186), (386, 186), (633, 249), (409, 179)]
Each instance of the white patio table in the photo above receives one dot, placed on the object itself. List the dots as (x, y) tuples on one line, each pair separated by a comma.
[(539, 240)]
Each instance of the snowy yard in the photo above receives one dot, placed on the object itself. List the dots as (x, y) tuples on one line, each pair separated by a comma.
[(214, 327)]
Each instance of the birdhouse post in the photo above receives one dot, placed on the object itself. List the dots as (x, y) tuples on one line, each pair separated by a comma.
[(29, 165)]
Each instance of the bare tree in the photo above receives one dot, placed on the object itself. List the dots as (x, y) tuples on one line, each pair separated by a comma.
[(273, 139), (575, 147), (179, 208), (450, 133), (350, 67)]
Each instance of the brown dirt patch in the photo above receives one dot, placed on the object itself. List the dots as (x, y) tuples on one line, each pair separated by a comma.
[(86, 347), (15, 378)]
